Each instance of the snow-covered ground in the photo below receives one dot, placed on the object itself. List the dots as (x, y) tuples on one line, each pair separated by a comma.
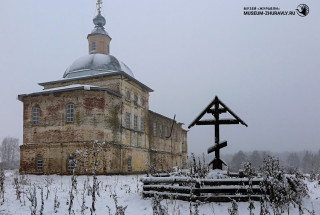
[(128, 190)]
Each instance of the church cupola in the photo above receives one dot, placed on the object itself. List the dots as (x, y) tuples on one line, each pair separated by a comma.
[(99, 40)]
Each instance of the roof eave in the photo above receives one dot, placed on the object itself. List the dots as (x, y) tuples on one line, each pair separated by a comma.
[(99, 75), (21, 96)]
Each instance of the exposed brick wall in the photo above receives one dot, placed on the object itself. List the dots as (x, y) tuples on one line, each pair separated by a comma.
[(100, 116)]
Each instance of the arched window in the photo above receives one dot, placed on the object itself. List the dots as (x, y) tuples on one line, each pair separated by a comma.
[(70, 163), (39, 163), (128, 95)]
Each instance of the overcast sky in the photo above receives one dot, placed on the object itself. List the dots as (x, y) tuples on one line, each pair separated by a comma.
[(265, 68)]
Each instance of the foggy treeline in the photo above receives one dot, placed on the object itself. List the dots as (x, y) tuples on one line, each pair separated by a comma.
[(304, 161), (9, 153)]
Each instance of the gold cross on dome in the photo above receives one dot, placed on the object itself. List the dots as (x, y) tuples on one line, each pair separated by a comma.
[(99, 5)]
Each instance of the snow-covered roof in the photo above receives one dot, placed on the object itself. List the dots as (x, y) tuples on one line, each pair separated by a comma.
[(99, 21), (103, 74), (95, 64), (69, 88)]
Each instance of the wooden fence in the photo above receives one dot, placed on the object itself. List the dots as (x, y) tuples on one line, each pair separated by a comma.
[(205, 190)]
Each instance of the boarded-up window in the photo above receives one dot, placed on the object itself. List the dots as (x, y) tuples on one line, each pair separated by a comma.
[(166, 131), (129, 164), (39, 163), (182, 138), (36, 116)]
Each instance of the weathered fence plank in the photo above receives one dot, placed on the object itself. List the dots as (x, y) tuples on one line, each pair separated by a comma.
[(207, 190)]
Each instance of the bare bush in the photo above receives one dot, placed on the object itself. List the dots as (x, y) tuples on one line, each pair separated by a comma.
[(157, 208), (120, 210), (17, 187), (48, 182), (249, 171), (56, 203), (32, 197), (2, 178), (282, 189), (42, 201), (233, 210), (83, 197), (198, 169), (73, 187)]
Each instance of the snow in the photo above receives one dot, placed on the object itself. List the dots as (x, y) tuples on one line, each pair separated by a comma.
[(68, 87), (128, 189), (95, 64), (86, 87), (217, 173)]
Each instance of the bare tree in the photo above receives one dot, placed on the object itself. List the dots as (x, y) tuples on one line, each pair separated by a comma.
[(9, 149)]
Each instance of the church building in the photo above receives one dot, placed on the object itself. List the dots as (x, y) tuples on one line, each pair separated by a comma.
[(98, 99)]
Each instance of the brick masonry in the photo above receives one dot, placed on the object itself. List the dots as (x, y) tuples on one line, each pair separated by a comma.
[(99, 115)]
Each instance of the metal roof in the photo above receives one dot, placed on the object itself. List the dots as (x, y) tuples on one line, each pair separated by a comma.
[(69, 88), (95, 64), (103, 74)]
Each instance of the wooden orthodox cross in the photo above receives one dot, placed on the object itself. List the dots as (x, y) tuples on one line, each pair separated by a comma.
[(215, 108)]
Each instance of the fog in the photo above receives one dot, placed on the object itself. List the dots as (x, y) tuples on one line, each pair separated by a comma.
[(265, 68)]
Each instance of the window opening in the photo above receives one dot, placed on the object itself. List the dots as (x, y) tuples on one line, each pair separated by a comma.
[(128, 116), (135, 123), (139, 139), (133, 138), (36, 116), (160, 130), (142, 125), (135, 99), (70, 113), (128, 95), (70, 164), (129, 164), (154, 129), (39, 163), (93, 46)]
